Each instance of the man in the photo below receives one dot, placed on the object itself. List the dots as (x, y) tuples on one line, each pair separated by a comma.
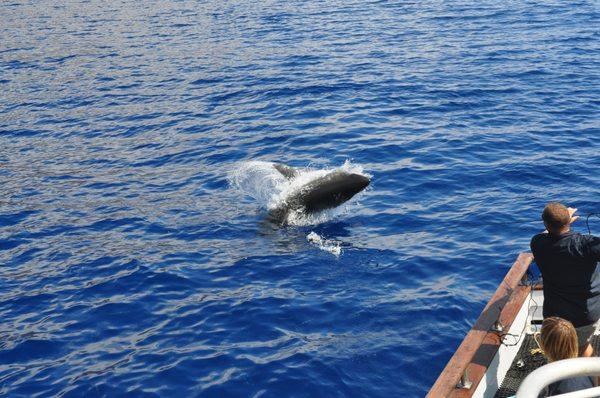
[(568, 262)]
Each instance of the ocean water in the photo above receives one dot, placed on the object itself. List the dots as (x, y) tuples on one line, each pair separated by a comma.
[(131, 265)]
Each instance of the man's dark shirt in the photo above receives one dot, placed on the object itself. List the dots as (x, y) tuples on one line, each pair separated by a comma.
[(571, 277)]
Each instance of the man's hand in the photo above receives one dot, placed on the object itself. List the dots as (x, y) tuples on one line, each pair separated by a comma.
[(571, 212)]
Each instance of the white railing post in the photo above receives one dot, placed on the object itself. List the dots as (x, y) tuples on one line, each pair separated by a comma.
[(537, 380)]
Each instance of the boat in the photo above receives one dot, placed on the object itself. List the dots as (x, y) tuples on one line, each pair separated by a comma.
[(500, 357)]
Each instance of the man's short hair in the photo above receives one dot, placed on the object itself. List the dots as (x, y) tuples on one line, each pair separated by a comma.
[(556, 215)]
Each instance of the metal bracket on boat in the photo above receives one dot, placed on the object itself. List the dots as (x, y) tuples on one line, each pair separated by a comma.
[(497, 327), (525, 278), (464, 381)]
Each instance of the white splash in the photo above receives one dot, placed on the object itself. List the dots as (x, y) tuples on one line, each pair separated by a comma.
[(327, 245), (263, 182)]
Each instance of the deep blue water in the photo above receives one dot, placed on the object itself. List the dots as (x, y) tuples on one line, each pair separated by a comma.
[(129, 265)]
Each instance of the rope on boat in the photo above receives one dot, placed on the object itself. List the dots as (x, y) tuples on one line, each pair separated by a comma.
[(587, 221)]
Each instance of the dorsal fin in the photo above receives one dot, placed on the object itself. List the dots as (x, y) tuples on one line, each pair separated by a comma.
[(287, 171)]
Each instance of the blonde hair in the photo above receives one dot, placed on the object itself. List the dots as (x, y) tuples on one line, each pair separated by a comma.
[(558, 339)]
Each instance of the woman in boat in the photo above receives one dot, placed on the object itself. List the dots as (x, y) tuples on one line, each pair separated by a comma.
[(559, 341)]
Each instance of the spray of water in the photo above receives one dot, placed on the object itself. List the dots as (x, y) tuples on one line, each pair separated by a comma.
[(327, 245)]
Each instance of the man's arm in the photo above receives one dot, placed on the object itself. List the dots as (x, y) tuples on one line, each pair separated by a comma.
[(593, 248)]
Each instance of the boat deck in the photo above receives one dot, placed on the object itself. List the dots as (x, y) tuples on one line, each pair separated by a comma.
[(500, 351)]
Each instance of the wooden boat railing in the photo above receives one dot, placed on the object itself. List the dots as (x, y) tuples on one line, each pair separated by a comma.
[(469, 363)]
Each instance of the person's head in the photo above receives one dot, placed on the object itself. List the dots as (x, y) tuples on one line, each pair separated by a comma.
[(556, 218), (558, 339)]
